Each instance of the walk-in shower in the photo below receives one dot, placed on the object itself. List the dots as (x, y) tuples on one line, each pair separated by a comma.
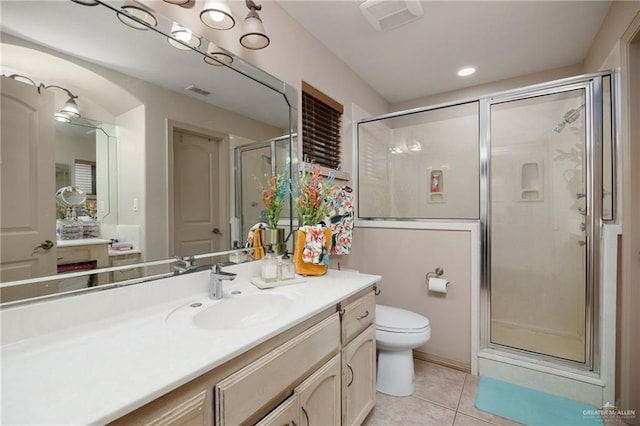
[(543, 183)]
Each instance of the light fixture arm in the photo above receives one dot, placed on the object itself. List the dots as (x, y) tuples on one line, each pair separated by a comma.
[(252, 6), (42, 86), (17, 76)]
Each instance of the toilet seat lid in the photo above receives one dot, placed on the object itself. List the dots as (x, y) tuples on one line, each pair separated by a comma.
[(399, 320)]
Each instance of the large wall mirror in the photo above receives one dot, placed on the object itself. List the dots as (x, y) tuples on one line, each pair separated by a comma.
[(159, 124)]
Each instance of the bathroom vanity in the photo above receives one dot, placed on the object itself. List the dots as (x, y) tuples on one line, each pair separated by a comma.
[(92, 252), (162, 352)]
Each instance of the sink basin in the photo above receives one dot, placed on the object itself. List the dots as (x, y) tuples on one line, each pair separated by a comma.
[(233, 312)]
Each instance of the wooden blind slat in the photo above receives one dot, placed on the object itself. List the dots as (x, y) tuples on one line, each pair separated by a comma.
[(321, 122)]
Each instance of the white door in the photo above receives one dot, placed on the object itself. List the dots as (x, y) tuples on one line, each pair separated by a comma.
[(196, 186), (27, 173)]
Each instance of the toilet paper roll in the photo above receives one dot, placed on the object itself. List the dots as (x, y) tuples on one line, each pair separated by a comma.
[(438, 285)]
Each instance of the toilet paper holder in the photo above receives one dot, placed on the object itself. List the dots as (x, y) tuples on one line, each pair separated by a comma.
[(436, 274)]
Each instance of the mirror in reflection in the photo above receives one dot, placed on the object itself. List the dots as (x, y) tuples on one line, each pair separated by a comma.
[(174, 120)]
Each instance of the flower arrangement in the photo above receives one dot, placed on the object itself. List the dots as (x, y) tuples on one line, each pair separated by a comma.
[(273, 196), (311, 194)]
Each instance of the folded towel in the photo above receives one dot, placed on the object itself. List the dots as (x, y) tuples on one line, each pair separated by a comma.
[(121, 246)]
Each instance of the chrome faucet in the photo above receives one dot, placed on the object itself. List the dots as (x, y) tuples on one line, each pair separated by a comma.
[(217, 276), (183, 264)]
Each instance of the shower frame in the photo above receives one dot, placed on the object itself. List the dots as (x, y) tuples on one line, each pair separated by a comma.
[(592, 85), (599, 371)]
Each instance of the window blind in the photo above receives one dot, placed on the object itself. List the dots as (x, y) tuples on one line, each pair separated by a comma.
[(321, 121), (85, 174)]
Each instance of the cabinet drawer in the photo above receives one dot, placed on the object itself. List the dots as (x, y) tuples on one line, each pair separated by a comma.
[(357, 316), (84, 253), (126, 259), (74, 254), (246, 393)]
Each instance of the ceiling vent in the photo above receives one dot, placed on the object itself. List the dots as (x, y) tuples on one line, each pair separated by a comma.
[(387, 14), (197, 90)]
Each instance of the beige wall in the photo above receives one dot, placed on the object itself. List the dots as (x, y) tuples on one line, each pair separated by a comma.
[(403, 257), (132, 169)]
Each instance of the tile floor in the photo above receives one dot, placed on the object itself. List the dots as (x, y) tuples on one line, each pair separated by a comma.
[(443, 396)]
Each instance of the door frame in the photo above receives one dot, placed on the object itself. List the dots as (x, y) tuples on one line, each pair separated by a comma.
[(223, 182)]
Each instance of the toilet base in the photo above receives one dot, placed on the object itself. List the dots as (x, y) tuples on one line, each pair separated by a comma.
[(395, 373)]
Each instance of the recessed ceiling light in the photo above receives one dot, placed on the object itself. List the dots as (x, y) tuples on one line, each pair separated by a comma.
[(466, 71)]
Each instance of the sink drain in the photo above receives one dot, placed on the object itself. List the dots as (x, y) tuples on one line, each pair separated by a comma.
[(195, 305), (236, 292)]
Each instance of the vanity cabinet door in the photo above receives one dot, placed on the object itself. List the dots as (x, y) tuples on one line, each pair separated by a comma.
[(319, 396), (285, 414), (359, 377)]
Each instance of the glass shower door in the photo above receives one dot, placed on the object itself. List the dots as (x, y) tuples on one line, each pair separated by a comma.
[(254, 164), (538, 224)]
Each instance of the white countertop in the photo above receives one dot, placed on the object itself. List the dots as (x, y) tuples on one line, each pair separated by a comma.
[(81, 242), (94, 358)]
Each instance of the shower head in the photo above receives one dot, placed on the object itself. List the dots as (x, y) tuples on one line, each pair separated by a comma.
[(569, 117)]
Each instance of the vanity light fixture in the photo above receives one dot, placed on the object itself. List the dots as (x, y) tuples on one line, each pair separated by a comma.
[(466, 71), (70, 108), (254, 36), (61, 117), (217, 15), (414, 145), (181, 36), (135, 14), (217, 56)]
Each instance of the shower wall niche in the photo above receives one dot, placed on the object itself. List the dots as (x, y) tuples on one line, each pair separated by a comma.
[(531, 181)]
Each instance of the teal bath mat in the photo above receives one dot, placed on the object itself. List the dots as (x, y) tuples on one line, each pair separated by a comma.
[(532, 407)]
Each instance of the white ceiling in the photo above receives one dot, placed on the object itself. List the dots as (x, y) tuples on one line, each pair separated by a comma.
[(503, 39)]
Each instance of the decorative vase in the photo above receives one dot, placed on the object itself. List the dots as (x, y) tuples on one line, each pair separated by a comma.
[(275, 238), (304, 268)]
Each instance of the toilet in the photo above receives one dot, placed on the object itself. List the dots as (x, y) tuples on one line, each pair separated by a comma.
[(398, 332)]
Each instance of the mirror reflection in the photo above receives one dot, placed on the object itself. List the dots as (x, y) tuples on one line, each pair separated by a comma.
[(160, 176)]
